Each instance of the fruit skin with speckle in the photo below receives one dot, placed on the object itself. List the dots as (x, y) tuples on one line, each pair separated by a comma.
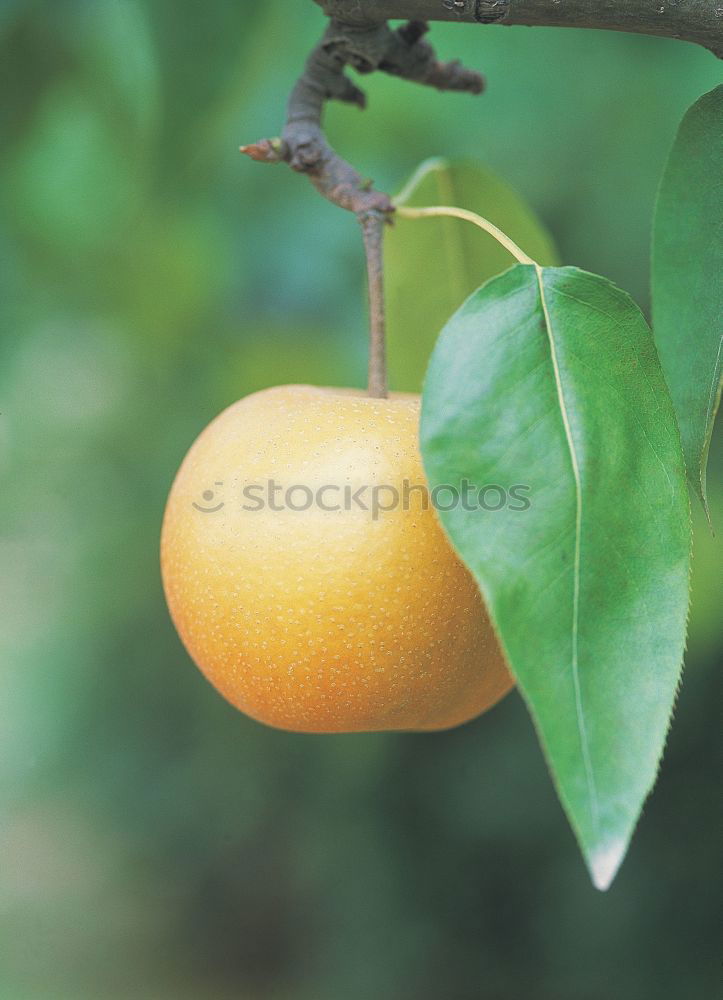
[(324, 620)]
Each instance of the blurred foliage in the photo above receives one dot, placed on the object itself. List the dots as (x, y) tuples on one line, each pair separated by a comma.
[(153, 842), (431, 268)]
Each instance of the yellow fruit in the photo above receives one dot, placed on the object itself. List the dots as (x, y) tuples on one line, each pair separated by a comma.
[(323, 620)]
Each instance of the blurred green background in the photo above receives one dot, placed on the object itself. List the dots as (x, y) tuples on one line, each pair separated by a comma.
[(154, 842)]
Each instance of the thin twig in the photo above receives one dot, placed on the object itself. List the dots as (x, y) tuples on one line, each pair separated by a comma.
[(372, 224), (371, 46)]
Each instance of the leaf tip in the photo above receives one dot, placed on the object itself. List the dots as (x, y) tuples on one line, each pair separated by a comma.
[(700, 489), (605, 861)]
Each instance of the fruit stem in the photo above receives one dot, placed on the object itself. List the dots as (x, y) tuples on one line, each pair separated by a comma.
[(372, 223), (407, 212)]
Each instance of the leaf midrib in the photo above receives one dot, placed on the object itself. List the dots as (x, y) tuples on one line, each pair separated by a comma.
[(579, 711)]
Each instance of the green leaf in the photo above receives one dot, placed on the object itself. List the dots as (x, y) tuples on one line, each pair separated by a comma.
[(432, 265), (551, 380), (687, 278)]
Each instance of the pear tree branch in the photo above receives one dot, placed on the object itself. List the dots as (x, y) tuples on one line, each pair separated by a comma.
[(366, 47), (698, 21), (358, 36), (402, 52)]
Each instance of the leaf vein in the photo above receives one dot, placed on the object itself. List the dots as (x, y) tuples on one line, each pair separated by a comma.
[(581, 726)]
